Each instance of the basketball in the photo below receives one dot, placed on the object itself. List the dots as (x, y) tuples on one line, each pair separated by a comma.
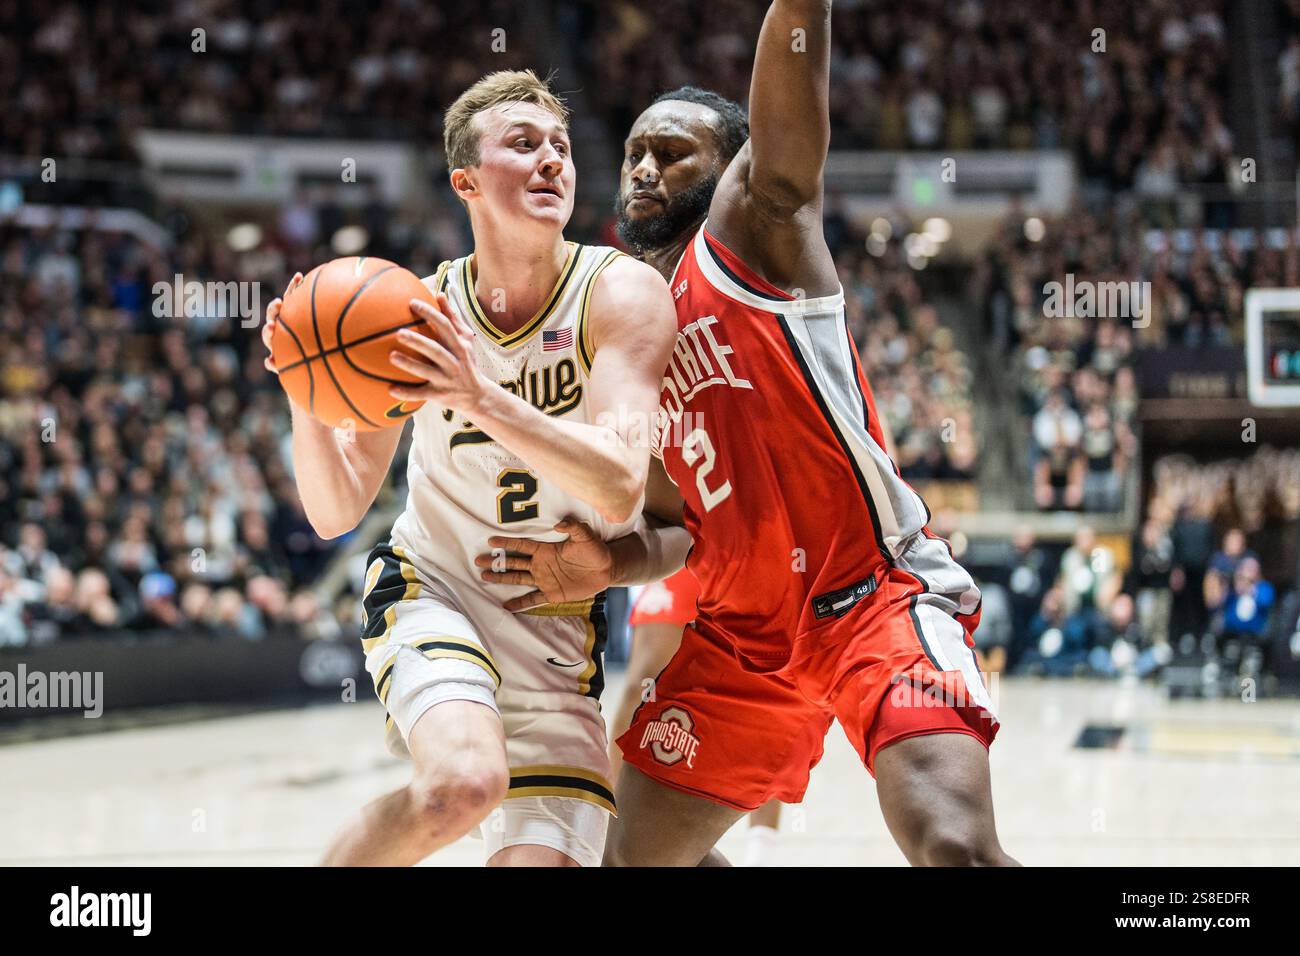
[(334, 335)]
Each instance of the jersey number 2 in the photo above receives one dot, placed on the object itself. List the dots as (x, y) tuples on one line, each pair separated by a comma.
[(698, 447), (518, 489)]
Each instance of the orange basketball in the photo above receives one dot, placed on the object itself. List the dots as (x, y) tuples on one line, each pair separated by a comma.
[(334, 335)]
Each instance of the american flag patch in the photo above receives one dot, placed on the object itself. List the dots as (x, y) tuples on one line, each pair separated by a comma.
[(554, 340)]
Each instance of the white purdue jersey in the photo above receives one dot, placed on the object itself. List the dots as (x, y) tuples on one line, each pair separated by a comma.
[(464, 487)]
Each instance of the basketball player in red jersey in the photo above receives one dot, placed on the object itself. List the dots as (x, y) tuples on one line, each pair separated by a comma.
[(823, 593)]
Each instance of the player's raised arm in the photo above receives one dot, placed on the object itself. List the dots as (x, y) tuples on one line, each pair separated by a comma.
[(768, 204), (789, 111)]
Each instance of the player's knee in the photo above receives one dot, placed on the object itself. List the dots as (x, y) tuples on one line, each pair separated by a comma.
[(955, 846), (459, 795)]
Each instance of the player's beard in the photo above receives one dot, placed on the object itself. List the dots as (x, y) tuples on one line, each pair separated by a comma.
[(688, 208)]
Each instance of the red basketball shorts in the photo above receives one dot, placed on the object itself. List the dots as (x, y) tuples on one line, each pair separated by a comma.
[(898, 665)]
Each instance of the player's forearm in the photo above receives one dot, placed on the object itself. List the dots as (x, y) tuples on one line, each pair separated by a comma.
[(328, 483), (789, 111), (652, 552), (590, 462)]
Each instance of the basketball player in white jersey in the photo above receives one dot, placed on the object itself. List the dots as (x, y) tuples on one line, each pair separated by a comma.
[(547, 355)]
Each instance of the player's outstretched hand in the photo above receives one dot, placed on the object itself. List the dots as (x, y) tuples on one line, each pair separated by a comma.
[(445, 363), (272, 316), (574, 569)]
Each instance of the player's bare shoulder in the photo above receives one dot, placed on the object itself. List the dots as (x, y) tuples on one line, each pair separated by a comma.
[(631, 302)]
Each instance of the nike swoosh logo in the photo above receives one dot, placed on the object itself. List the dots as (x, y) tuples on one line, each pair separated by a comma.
[(552, 660), (399, 410)]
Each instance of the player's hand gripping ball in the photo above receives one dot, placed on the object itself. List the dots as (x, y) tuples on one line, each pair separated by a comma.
[(332, 337)]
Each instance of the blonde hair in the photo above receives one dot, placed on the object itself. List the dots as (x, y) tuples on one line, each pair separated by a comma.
[(461, 137)]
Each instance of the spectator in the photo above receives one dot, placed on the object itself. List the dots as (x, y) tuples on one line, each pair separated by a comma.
[(1059, 477), (1105, 462), (197, 607), (232, 614), (374, 78), (1059, 641), (306, 615), (157, 602), (1149, 579), (1193, 540), (56, 613), (32, 559), (1025, 583), (993, 74), (256, 555), (1088, 578), (1057, 424), (1234, 551), (13, 627), (95, 605), (267, 597), (1258, 494), (1242, 606), (1117, 639), (1123, 647)]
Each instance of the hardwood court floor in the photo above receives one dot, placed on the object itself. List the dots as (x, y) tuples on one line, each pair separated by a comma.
[(1171, 783)]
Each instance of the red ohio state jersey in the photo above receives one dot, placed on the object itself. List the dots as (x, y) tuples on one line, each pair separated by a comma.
[(768, 428)]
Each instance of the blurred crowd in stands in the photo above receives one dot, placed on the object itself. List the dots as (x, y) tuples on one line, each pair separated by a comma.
[(144, 474), (920, 377), (1075, 374), (1213, 574), (79, 79), (1149, 114), (1138, 93), (928, 74)]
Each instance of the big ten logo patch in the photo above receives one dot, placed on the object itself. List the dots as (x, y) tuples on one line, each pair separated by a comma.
[(671, 738)]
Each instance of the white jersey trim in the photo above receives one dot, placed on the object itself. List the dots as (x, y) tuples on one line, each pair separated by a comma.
[(724, 284)]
